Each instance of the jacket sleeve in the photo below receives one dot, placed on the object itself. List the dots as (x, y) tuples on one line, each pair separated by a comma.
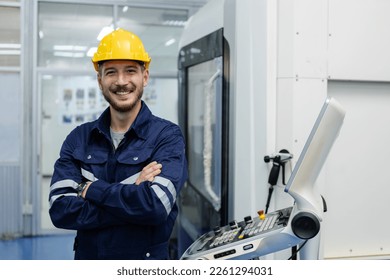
[(150, 202), (67, 210)]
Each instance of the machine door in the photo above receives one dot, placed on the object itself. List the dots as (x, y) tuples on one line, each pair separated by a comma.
[(203, 102)]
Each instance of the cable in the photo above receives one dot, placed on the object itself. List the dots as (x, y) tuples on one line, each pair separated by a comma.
[(296, 252)]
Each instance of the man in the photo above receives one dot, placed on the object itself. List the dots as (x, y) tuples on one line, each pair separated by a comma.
[(117, 178)]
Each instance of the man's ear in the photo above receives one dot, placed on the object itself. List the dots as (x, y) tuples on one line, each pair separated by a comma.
[(99, 81), (146, 77)]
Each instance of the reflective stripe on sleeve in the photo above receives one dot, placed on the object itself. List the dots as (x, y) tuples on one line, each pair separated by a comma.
[(131, 180), (54, 197), (162, 195), (166, 183), (88, 175), (68, 183)]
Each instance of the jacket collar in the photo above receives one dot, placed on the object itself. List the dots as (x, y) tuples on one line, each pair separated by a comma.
[(139, 127)]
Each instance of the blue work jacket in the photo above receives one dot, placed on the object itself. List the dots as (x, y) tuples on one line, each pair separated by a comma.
[(118, 219)]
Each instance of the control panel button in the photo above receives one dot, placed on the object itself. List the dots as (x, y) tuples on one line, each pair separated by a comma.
[(248, 219), (233, 224), (217, 230), (247, 247)]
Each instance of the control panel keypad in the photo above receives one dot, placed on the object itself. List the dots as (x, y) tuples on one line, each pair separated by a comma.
[(226, 237)]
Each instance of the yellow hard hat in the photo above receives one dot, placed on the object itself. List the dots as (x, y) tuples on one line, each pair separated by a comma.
[(123, 45)]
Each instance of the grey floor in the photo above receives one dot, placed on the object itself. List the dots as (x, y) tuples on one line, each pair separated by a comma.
[(51, 247)]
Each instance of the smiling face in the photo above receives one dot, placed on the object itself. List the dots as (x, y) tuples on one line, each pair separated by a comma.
[(122, 83)]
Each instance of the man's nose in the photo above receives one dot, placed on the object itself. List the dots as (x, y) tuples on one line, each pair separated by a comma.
[(122, 80)]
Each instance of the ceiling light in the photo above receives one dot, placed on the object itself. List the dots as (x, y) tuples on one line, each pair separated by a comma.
[(9, 49), (175, 22), (91, 52), (69, 48), (69, 54), (105, 30), (9, 46), (9, 52), (170, 42)]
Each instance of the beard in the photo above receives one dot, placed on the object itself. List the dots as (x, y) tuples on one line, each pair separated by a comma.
[(135, 92)]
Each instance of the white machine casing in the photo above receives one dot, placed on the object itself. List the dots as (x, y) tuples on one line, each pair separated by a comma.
[(312, 158)]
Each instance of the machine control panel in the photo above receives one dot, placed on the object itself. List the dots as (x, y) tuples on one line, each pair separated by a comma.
[(235, 238)]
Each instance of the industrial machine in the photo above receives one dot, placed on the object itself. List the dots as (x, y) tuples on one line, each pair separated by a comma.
[(296, 225)]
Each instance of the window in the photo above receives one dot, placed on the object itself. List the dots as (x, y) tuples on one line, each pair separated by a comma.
[(9, 36)]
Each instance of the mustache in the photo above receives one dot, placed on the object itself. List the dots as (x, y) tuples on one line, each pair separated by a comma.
[(116, 88)]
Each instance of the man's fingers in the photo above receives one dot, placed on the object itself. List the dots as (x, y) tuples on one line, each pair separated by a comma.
[(149, 172), (152, 174), (153, 166), (150, 165)]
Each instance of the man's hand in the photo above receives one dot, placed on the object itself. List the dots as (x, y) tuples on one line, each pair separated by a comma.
[(149, 172)]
